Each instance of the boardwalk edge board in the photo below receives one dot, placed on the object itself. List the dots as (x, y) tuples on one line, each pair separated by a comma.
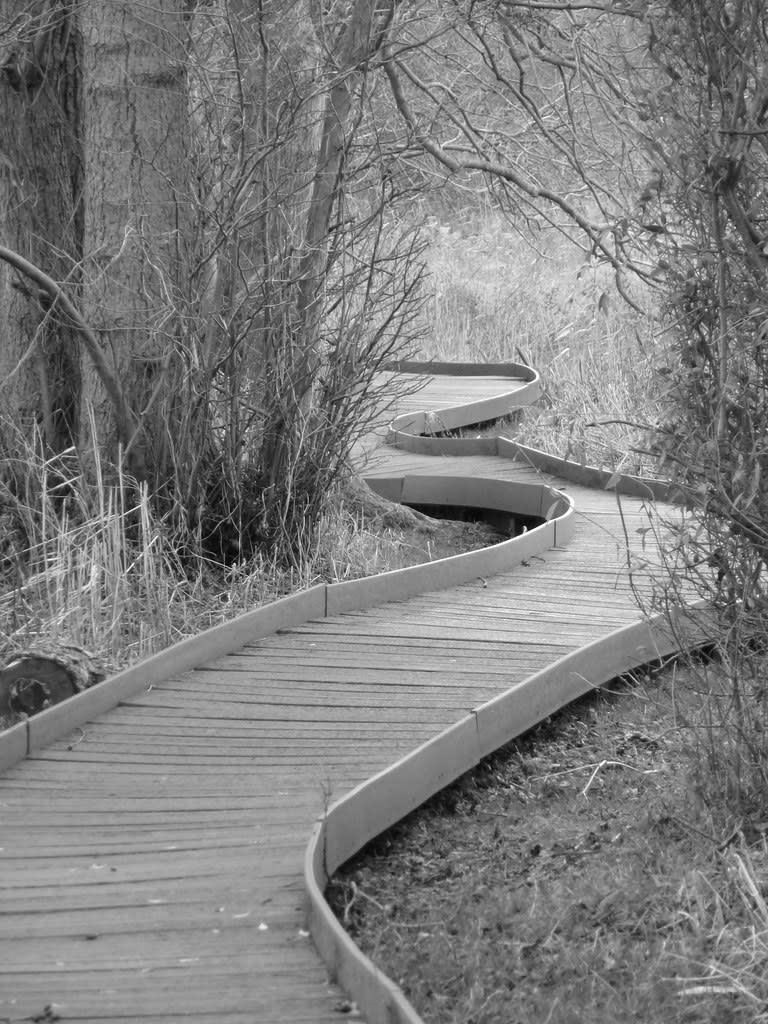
[(589, 476), (322, 600), (413, 433), (13, 745)]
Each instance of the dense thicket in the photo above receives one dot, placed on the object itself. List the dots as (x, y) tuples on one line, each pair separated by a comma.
[(706, 132)]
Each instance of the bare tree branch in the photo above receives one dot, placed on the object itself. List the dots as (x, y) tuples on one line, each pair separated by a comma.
[(598, 233)]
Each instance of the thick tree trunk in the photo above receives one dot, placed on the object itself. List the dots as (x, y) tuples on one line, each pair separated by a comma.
[(136, 212), (41, 172)]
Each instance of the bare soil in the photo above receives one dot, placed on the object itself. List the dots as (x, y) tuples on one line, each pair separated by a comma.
[(577, 875)]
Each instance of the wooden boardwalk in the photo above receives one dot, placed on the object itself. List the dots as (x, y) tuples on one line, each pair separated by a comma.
[(151, 861)]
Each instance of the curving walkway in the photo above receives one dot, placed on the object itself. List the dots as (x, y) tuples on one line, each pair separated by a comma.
[(154, 863)]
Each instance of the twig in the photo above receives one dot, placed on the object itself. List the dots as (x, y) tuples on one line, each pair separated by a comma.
[(616, 764), (357, 891)]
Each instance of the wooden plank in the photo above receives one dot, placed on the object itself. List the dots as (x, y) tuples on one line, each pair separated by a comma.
[(357, 644), (503, 619), (543, 614), (273, 778), (272, 739), (297, 1015), (509, 599), (443, 672), (274, 747), (151, 918), (175, 999), (140, 891), (381, 696), (369, 689), (479, 632), (77, 873), (275, 738), (158, 813), (307, 1014), (316, 713)]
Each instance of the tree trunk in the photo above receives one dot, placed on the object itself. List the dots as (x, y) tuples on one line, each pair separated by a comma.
[(41, 172), (136, 213)]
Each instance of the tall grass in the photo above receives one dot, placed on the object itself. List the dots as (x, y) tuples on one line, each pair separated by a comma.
[(495, 299), (92, 566)]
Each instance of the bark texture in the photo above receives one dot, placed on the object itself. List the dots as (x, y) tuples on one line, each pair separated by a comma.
[(136, 211), (41, 178)]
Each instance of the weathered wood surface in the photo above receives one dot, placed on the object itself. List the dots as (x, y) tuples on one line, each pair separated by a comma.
[(151, 860)]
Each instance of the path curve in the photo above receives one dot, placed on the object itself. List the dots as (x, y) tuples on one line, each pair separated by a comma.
[(386, 798), (153, 829)]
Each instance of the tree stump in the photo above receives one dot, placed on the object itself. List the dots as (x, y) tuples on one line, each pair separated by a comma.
[(40, 677)]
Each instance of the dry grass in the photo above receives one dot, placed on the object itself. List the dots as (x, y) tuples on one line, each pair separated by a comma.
[(109, 578), (495, 300), (98, 570)]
